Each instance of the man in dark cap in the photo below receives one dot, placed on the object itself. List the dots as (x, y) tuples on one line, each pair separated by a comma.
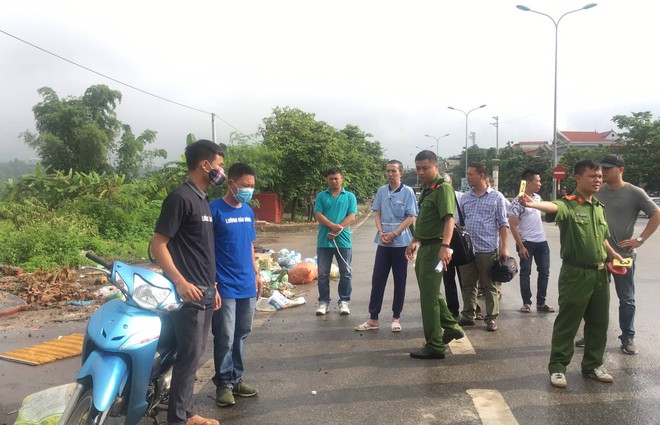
[(623, 202)]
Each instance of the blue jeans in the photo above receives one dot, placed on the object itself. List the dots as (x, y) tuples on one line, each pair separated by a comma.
[(231, 325), (625, 290), (324, 261), (540, 253)]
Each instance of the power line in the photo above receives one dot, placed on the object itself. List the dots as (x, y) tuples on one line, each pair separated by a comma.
[(119, 82)]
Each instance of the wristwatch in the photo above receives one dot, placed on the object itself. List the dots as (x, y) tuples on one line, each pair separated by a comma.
[(639, 239)]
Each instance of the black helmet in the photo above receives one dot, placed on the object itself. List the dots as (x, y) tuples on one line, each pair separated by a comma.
[(504, 270)]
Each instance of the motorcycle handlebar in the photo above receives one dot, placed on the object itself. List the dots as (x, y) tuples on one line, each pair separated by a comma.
[(95, 258)]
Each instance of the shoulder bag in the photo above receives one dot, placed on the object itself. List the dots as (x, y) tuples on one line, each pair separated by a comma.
[(460, 242)]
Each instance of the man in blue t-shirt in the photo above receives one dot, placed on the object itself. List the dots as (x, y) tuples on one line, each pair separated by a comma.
[(238, 283), (335, 210)]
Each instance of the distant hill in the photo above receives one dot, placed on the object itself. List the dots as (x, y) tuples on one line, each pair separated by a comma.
[(15, 169)]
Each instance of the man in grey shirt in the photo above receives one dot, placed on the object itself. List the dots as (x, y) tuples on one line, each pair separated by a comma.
[(623, 202)]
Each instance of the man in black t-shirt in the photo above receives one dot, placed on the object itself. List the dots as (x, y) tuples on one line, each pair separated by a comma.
[(183, 247)]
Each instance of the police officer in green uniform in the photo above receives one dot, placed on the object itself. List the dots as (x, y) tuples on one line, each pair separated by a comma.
[(583, 278), (433, 231)]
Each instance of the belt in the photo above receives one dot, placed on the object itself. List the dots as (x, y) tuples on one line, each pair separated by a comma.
[(424, 242), (591, 266)]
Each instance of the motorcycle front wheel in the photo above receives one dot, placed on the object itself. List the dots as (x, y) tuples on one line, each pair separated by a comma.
[(84, 412)]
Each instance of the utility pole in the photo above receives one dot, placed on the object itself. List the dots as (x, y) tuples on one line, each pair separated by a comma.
[(496, 124)]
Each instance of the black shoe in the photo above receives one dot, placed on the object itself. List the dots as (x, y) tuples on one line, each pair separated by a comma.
[(465, 322), (427, 354), (580, 343), (451, 334)]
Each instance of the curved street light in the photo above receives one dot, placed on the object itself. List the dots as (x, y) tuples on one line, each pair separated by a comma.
[(424, 149), (554, 124), (436, 142), (466, 130)]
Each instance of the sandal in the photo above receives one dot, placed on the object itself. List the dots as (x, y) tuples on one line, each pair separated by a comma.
[(396, 327), (526, 308), (198, 420), (545, 308), (365, 327)]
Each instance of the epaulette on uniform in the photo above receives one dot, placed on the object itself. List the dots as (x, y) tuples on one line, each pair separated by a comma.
[(570, 197)]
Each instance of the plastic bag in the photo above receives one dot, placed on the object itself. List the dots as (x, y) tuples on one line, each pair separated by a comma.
[(280, 302), (303, 273), (334, 272), (45, 407)]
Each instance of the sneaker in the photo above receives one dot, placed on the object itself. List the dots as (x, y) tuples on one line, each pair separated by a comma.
[(558, 380), (628, 345), (579, 343), (343, 308), (322, 310), (244, 390), (491, 325), (224, 396), (600, 374)]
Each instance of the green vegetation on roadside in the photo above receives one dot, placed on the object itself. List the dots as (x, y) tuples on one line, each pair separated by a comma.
[(88, 192)]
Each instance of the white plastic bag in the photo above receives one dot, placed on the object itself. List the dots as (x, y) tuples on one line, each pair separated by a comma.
[(45, 407), (279, 301)]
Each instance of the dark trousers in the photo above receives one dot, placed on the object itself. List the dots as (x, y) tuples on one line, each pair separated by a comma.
[(451, 293), (540, 253), (386, 258), (191, 327), (310, 213)]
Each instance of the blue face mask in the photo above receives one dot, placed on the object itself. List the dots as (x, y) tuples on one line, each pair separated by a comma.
[(243, 195)]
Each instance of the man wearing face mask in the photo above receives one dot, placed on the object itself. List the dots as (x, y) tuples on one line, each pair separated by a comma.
[(183, 247), (239, 283)]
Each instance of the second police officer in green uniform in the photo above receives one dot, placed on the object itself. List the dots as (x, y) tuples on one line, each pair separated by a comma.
[(583, 278), (433, 231)]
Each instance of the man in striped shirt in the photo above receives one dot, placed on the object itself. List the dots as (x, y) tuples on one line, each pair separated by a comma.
[(484, 211)]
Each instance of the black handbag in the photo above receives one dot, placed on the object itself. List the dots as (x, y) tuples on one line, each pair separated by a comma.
[(461, 243)]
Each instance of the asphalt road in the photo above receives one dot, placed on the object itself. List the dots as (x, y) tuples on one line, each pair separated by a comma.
[(368, 377)]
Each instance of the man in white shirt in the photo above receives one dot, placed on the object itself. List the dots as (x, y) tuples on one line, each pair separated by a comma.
[(531, 243)]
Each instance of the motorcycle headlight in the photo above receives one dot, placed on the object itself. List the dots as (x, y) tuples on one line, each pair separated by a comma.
[(147, 296)]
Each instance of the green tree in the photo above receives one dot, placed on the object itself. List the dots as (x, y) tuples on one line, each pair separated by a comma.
[(302, 148), (80, 133), (513, 162), (363, 163), (132, 155), (641, 150)]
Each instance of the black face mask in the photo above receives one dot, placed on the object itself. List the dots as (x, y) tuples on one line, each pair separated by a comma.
[(217, 177)]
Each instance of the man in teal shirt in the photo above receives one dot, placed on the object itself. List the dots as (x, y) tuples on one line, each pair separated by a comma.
[(335, 210)]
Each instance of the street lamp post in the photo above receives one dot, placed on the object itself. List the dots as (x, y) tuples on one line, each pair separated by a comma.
[(436, 142), (466, 131), (554, 123), (424, 149)]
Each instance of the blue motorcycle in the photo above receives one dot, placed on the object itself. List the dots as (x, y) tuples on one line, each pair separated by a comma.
[(128, 350)]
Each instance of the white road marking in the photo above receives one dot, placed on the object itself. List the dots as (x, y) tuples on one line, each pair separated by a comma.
[(491, 407), (461, 346)]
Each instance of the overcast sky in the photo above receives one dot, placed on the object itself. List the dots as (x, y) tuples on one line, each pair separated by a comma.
[(392, 68)]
